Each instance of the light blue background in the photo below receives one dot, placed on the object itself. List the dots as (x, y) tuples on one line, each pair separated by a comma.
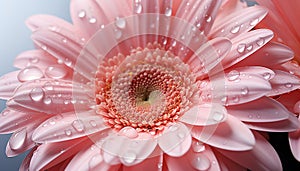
[(14, 39)]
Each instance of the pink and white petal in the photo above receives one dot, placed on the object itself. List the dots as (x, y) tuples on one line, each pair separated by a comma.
[(226, 135), (245, 45), (238, 22), (292, 67), (68, 126), (8, 83), (270, 55), (254, 159), (26, 162), (38, 58), (152, 163), (294, 140), (175, 140), (289, 100), (264, 109), (66, 47), (50, 22), (209, 55), (283, 82), (238, 86), (12, 120), (227, 164), (287, 125), (204, 114), (51, 96), (204, 160), (129, 151), (48, 155), (230, 6)]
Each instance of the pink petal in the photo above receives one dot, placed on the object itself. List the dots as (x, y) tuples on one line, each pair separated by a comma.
[(200, 160), (238, 22), (90, 15), (289, 100), (175, 140), (51, 96), (294, 139), (129, 151), (261, 110), (227, 164), (69, 126), (226, 135), (37, 58), (287, 125), (283, 82), (209, 55), (8, 84), (238, 86), (269, 55), (247, 44), (26, 162), (48, 155), (12, 120), (205, 114), (292, 67), (261, 157)]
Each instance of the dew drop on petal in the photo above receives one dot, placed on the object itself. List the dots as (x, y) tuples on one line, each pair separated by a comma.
[(233, 75), (288, 85), (235, 29), (224, 100), (56, 71), (260, 42), (129, 157), (241, 48), (168, 12), (249, 47), (92, 20), (129, 132), (208, 19), (245, 91), (120, 23), (68, 62), (68, 132), (198, 146), (17, 140), (201, 162), (267, 75), (118, 34), (93, 123), (81, 14), (254, 22), (34, 60), (37, 94), (30, 73), (138, 8), (44, 47), (218, 116), (47, 100), (78, 125), (95, 160)]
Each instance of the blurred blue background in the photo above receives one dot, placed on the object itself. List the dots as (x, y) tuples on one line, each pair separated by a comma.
[(14, 39)]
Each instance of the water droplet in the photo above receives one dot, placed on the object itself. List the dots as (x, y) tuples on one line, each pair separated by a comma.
[(249, 47), (245, 91), (102, 26), (138, 8), (250, 116), (52, 122), (47, 100), (233, 75), (78, 125), (18, 139), (201, 162), (235, 29), (254, 22), (37, 94), (288, 85), (92, 20), (224, 100), (81, 14), (129, 132), (30, 73), (168, 12), (64, 40), (44, 47), (218, 116), (56, 71), (95, 160), (68, 132), (174, 43), (159, 165), (68, 62), (235, 99), (120, 23), (129, 157), (118, 34), (267, 76), (208, 18), (34, 60), (5, 112), (241, 48), (48, 86), (198, 146), (260, 42)]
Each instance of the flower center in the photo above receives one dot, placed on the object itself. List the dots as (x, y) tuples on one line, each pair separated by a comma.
[(146, 90)]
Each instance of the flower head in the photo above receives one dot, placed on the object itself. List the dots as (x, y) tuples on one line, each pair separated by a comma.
[(162, 85)]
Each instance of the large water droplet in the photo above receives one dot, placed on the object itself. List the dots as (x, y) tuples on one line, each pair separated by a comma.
[(30, 73), (95, 160), (168, 12), (120, 23), (17, 140), (129, 157), (78, 125), (235, 29), (129, 132), (241, 48), (81, 14), (233, 75), (56, 71), (198, 146), (37, 94), (201, 162)]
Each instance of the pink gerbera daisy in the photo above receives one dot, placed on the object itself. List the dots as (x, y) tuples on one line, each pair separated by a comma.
[(148, 84)]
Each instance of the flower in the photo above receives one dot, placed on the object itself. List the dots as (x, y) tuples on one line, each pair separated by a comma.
[(281, 19), (162, 85)]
